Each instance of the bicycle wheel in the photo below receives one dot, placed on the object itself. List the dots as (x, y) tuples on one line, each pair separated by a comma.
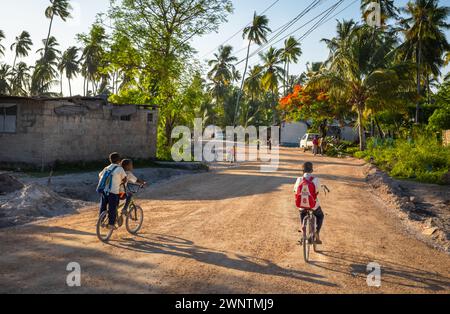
[(306, 240), (135, 218), (103, 233)]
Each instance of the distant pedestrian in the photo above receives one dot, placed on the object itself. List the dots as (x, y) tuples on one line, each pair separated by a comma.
[(315, 145)]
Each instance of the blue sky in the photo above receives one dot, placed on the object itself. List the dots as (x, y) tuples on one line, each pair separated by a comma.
[(19, 15)]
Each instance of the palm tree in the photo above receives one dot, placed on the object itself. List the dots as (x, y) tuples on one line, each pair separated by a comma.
[(5, 76), (2, 48), (69, 63), (20, 81), (363, 76), (254, 33), (388, 9), (290, 54), (21, 46), (253, 89), (45, 72), (337, 44), (223, 72), (272, 75), (92, 56), (425, 40), (59, 8)]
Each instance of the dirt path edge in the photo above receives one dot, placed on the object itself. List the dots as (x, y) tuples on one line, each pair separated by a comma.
[(390, 192)]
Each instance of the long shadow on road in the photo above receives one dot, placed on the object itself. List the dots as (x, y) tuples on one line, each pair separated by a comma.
[(392, 273), (174, 246)]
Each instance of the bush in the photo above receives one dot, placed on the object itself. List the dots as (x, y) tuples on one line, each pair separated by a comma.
[(423, 159)]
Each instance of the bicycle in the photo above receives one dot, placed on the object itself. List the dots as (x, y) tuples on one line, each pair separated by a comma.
[(133, 217), (309, 230)]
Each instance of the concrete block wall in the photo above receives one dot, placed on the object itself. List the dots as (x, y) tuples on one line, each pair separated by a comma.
[(44, 137)]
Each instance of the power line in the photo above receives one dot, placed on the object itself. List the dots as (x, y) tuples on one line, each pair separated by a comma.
[(240, 31), (280, 30), (315, 26), (327, 12)]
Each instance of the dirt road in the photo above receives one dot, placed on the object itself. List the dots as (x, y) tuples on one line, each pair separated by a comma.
[(232, 231)]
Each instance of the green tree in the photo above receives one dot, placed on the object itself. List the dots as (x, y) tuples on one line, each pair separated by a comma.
[(69, 64), (254, 92), (92, 57), (5, 76), (162, 31), (362, 76), (440, 120), (273, 73), (292, 51), (254, 33), (337, 44), (20, 79), (2, 48), (425, 40), (21, 46), (222, 73), (388, 9), (45, 71), (59, 8)]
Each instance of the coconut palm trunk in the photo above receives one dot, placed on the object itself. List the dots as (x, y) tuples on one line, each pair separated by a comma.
[(362, 136), (48, 35), (242, 83), (418, 57)]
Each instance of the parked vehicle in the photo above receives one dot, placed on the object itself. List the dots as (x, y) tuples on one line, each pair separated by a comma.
[(306, 142)]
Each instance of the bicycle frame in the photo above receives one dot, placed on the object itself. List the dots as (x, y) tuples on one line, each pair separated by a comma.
[(310, 216)]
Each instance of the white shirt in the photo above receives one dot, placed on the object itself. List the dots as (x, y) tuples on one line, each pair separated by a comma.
[(117, 177), (316, 183), (131, 178)]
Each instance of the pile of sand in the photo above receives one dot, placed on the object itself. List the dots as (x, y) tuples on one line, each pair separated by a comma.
[(34, 201), (9, 184)]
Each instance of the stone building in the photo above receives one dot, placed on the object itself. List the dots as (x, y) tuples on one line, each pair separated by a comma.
[(41, 131)]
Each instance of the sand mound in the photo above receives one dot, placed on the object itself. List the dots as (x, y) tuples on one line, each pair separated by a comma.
[(9, 184), (35, 201)]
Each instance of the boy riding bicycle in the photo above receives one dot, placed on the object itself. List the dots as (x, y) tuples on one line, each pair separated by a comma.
[(309, 184), (127, 165), (111, 178)]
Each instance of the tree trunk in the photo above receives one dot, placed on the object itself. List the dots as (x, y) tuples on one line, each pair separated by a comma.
[(242, 83), (48, 35), (14, 63), (380, 131), (70, 88), (418, 61), (362, 137)]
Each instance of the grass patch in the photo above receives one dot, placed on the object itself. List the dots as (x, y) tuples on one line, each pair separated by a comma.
[(423, 160)]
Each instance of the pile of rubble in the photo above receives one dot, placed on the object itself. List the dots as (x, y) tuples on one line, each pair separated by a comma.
[(21, 203)]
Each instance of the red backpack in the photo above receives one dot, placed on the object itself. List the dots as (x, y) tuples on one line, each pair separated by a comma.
[(306, 196)]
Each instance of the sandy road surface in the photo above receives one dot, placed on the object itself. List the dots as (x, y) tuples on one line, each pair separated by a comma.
[(229, 232)]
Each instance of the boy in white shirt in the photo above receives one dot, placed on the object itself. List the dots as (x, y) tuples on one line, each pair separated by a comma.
[(110, 199), (308, 169), (127, 165)]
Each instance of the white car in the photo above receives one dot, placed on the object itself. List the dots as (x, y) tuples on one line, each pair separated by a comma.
[(306, 142)]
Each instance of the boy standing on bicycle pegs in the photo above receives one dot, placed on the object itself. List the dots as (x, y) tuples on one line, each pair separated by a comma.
[(127, 165), (306, 191), (111, 178)]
